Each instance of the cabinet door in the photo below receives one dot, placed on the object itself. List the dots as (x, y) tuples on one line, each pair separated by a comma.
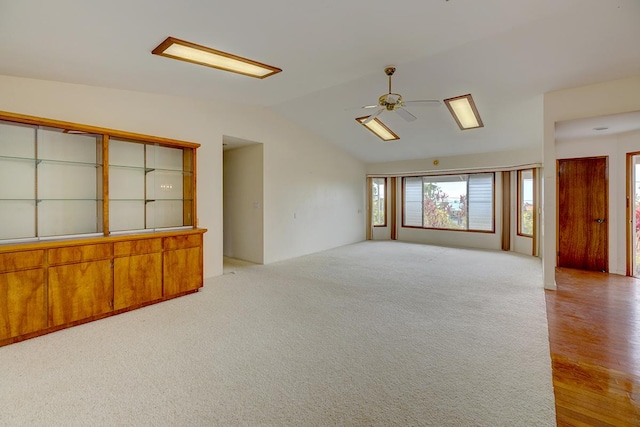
[(22, 306), (79, 291), (137, 279), (182, 270)]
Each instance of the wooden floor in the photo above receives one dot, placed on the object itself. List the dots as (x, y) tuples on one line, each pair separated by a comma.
[(594, 334)]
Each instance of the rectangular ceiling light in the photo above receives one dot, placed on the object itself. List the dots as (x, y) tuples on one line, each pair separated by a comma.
[(379, 128), (191, 52), (464, 111)]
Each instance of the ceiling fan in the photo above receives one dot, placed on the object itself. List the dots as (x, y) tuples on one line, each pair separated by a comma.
[(394, 102)]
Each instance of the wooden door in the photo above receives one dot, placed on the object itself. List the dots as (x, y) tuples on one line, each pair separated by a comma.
[(79, 291), (137, 279), (137, 272), (582, 214), (182, 264), (182, 271), (22, 303)]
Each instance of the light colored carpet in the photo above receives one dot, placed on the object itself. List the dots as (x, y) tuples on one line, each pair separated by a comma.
[(371, 334)]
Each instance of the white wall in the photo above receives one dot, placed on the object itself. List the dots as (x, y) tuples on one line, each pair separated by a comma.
[(615, 147), (618, 96), (502, 159), (303, 173), (490, 161), (243, 189)]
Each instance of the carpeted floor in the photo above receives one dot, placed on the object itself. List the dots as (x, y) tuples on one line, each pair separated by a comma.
[(371, 334)]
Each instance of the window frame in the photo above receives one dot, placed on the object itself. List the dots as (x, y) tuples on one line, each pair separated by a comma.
[(433, 177), (519, 193), (384, 211)]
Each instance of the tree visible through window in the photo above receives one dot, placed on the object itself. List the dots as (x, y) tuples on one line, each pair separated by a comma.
[(452, 202), (378, 202), (525, 202)]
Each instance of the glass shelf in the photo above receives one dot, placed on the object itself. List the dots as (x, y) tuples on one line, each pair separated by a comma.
[(68, 200), (49, 161), (150, 200), (167, 200), (67, 162), (22, 159), (147, 170), (52, 183)]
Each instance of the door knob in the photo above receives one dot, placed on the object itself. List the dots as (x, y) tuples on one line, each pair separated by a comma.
[(599, 220)]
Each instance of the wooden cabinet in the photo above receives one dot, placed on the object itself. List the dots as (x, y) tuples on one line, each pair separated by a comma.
[(82, 184), (22, 303), (22, 293), (182, 264), (54, 285), (137, 272), (80, 283), (79, 291)]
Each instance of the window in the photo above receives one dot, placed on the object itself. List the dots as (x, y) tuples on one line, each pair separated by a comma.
[(379, 202), (449, 202), (525, 202)]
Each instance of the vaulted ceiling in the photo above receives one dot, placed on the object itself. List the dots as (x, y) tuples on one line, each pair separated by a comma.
[(333, 52)]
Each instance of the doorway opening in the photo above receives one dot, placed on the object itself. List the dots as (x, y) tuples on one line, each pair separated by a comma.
[(243, 200)]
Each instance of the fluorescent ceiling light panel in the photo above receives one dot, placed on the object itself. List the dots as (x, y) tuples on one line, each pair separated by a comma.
[(464, 111), (191, 52), (379, 128)]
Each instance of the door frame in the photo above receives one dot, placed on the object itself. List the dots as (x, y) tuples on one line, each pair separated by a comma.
[(630, 214)]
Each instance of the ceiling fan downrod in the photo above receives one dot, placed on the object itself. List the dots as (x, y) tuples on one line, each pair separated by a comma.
[(389, 72)]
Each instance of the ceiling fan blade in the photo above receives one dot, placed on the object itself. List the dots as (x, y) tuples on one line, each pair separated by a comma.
[(405, 114), (360, 108), (422, 102), (373, 116)]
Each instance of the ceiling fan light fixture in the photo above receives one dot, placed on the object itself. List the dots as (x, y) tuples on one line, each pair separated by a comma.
[(378, 128), (202, 55), (464, 111)]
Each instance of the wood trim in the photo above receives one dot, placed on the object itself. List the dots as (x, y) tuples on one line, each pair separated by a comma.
[(393, 200), (519, 203), (135, 137), (97, 240), (187, 187), (105, 185), (386, 201), (194, 207), (536, 186), (627, 213), (493, 223), (606, 211), (557, 180), (493, 204), (506, 211), (369, 184)]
